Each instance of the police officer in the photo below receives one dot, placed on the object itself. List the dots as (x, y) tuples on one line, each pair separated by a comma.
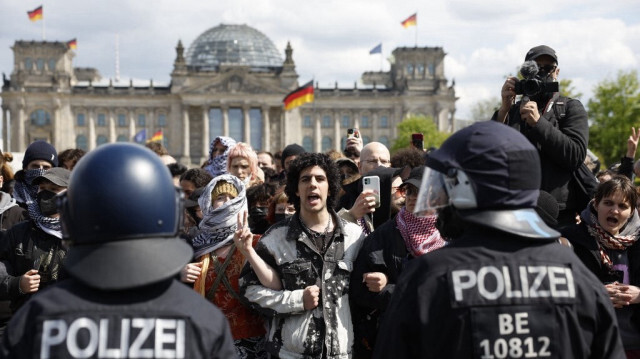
[(503, 287), (121, 217)]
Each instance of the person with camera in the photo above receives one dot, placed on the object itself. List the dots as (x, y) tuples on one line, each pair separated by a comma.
[(556, 125)]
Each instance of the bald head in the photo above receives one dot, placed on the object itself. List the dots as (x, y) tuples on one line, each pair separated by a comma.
[(374, 154)]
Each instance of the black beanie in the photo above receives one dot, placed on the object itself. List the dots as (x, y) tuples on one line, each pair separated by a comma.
[(40, 150), (291, 150)]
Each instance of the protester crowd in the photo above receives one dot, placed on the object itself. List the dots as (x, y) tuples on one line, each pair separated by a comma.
[(303, 260)]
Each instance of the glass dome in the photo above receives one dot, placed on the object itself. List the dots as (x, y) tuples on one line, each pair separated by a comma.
[(235, 44)]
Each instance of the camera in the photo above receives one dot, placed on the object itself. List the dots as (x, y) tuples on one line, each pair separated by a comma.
[(534, 86)]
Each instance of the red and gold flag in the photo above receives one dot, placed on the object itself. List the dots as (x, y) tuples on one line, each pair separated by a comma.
[(35, 14), (73, 44), (410, 21), (156, 136), (299, 96)]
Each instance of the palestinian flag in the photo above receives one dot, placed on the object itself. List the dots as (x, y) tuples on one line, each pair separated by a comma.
[(35, 14), (299, 96), (410, 21)]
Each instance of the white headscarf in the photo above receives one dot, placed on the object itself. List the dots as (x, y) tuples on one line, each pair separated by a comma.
[(218, 225)]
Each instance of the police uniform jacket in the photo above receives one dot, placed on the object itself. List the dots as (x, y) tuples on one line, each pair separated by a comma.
[(164, 320), (494, 295), (561, 140), (325, 331), (24, 247)]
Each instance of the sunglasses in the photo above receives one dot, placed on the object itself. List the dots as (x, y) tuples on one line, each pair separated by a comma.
[(409, 190), (547, 68)]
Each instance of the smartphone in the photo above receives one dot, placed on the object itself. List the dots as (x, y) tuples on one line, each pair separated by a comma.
[(372, 183), (417, 140), (353, 132)]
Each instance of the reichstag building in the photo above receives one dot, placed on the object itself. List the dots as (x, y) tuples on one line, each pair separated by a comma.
[(230, 81)]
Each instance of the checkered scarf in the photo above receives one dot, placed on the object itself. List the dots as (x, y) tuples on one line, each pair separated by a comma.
[(217, 165), (419, 233), (218, 225), (24, 191), (49, 225)]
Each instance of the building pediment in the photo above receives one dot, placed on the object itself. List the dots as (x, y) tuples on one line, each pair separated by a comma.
[(234, 83)]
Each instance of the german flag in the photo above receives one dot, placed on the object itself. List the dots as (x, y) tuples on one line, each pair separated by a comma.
[(156, 137), (35, 14), (299, 96), (73, 44), (410, 21)]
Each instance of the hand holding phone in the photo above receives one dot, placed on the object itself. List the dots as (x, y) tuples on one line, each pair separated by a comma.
[(372, 183)]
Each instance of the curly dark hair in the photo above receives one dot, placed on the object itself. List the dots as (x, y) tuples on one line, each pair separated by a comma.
[(411, 157), (198, 176), (304, 161)]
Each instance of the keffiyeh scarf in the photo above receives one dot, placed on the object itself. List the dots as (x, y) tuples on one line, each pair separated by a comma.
[(217, 165), (419, 233), (50, 225), (218, 225), (24, 191)]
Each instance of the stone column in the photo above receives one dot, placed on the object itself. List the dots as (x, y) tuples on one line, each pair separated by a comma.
[(356, 121), (5, 128), (186, 155), (225, 120), (247, 124), (376, 133), (132, 124), (205, 133), (21, 137), (336, 131), (266, 129), (112, 127), (317, 136), (92, 130)]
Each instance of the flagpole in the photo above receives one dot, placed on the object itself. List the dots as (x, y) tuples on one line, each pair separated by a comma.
[(381, 60), (416, 29), (43, 37)]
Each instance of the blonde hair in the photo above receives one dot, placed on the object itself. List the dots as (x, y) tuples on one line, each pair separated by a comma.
[(245, 151)]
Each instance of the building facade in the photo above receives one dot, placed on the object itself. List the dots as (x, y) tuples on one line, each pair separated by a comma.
[(231, 82)]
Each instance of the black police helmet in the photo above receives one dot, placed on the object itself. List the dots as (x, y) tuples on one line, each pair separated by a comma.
[(503, 172), (121, 215)]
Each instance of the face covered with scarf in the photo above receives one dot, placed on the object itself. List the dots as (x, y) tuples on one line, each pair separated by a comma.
[(220, 214), (218, 153)]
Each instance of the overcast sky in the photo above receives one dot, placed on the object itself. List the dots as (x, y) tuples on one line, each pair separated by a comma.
[(484, 40)]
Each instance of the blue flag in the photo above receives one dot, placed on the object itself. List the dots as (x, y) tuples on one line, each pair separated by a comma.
[(376, 50), (140, 136)]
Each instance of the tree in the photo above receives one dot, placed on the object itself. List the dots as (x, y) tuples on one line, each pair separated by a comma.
[(568, 90), (483, 110), (418, 124), (613, 110)]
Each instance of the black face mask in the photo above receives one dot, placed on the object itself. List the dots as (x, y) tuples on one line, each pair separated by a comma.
[(47, 202), (449, 223), (258, 220), (281, 217)]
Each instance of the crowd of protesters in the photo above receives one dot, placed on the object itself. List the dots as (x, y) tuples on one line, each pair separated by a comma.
[(303, 260)]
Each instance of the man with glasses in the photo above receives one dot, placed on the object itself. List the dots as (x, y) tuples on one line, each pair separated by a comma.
[(373, 155), (556, 125), (384, 254)]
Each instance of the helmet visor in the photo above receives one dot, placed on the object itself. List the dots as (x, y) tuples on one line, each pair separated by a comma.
[(433, 193)]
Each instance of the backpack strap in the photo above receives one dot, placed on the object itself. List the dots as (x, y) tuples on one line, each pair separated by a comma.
[(560, 107)]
